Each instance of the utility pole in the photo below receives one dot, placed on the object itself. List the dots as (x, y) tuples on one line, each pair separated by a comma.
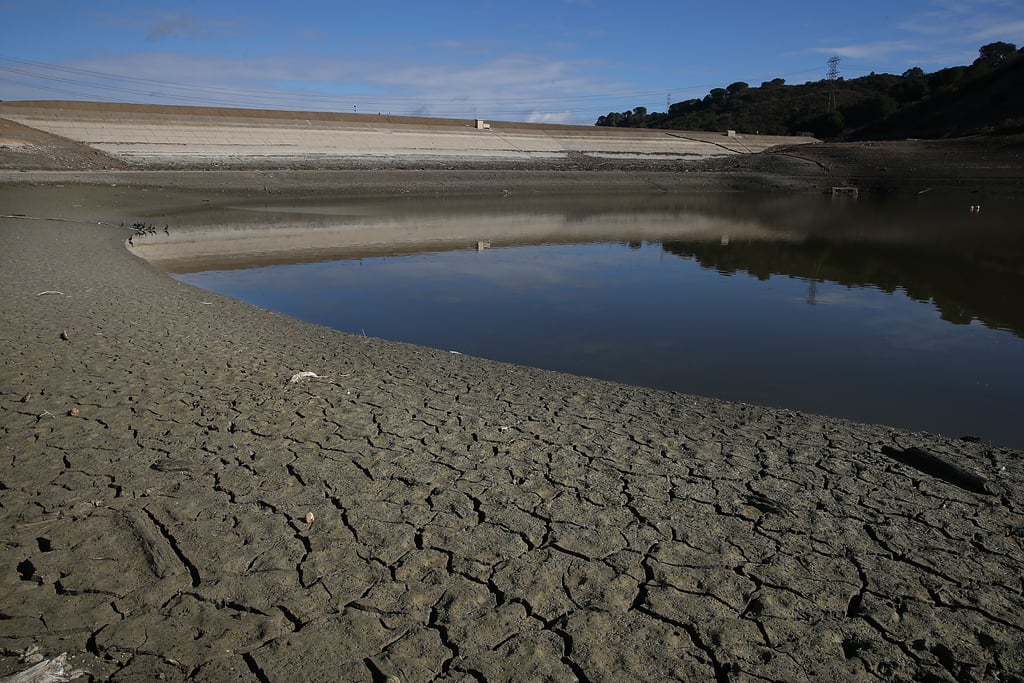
[(833, 73)]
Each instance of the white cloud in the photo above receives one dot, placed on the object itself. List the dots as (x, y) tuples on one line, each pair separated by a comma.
[(869, 51), (550, 117)]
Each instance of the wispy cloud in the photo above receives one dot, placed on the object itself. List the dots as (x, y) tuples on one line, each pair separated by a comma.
[(959, 21), (311, 35), (550, 117), (177, 24), (448, 44), (524, 87), (1000, 31), (869, 51)]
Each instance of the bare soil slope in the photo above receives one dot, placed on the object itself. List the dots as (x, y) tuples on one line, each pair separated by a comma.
[(983, 166), (979, 164), (29, 149)]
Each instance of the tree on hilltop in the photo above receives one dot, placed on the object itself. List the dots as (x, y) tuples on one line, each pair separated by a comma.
[(996, 54), (957, 100)]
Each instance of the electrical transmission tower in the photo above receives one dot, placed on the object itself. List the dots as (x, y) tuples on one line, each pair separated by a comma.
[(833, 73)]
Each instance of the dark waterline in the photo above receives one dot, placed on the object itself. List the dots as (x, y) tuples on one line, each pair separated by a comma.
[(917, 326)]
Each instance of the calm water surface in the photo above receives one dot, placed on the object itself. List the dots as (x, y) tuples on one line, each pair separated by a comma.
[(903, 313)]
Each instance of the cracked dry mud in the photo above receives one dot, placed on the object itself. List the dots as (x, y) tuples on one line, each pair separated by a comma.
[(473, 521)]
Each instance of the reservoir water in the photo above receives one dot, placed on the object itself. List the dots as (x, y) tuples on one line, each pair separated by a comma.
[(907, 313)]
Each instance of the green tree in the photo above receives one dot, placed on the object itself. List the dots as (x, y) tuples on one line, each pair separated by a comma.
[(909, 90), (680, 108), (996, 54), (948, 79), (827, 125), (717, 95), (870, 110)]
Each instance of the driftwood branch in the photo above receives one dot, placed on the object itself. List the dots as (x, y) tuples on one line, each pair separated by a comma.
[(55, 670)]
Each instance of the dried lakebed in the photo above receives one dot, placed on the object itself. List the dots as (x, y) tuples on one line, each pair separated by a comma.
[(471, 520)]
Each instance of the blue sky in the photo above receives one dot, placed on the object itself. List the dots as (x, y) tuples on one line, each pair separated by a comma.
[(550, 60)]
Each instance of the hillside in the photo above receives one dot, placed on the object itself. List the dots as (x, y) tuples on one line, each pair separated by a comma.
[(987, 96)]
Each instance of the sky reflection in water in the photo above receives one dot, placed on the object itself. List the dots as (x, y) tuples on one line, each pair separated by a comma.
[(687, 315)]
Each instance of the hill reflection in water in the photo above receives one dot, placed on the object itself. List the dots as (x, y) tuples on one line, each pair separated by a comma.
[(964, 284), (901, 313)]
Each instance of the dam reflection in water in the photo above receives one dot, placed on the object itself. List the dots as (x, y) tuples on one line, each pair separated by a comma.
[(904, 313)]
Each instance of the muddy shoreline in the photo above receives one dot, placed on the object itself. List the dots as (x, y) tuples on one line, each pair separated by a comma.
[(175, 507)]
